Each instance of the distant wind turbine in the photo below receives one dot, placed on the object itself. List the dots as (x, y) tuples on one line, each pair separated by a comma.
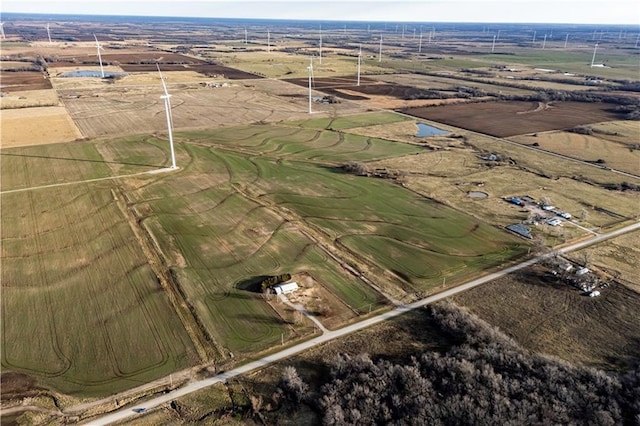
[(493, 45), (566, 40), (420, 43), (99, 48), (593, 58), (2, 30), (544, 41), (534, 37), (380, 53), (167, 108), (48, 33), (359, 59), (320, 50), (310, 72), (245, 36)]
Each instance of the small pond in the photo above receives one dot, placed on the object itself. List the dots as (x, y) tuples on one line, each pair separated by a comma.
[(425, 130), (90, 73), (477, 195)]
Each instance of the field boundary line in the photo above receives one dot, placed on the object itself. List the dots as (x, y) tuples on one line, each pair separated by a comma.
[(77, 182)]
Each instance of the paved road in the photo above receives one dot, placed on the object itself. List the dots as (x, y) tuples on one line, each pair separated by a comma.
[(330, 335)]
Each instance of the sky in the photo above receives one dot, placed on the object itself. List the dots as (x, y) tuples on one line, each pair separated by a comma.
[(511, 11)]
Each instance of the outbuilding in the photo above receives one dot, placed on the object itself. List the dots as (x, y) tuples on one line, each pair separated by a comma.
[(286, 288)]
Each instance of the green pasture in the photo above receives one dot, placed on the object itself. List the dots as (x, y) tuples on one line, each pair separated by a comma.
[(81, 308), (227, 239), (304, 144), (392, 227), (32, 166), (350, 121)]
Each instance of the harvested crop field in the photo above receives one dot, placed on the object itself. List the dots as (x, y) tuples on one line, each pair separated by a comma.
[(82, 309), (143, 57), (122, 112), (346, 88), (36, 126), (592, 148), (24, 80), (29, 98), (504, 119), (210, 70), (554, 318)]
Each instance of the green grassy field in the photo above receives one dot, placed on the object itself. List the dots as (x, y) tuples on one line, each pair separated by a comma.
[(83, 310)]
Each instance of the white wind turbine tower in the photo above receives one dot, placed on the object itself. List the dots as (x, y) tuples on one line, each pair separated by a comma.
[(320, 50), (245, 36), (566, 40), (420, 42), (167, 108), (359, 59), (593, 58), (99, 47), (544, 41), (2, 30), (380, 52), (493, 45), (48, 33), (310, 72)]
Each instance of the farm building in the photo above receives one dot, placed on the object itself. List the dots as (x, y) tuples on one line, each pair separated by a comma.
[(553, 221), (565, 215), (520, 229), (286, 288), (582, 271)]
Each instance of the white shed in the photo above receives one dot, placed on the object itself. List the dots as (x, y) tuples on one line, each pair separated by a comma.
[(286, 288)]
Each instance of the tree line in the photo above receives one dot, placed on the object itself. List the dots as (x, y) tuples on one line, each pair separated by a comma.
[(485, 378)]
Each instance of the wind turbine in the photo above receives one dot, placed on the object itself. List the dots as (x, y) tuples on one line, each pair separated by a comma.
[(2, 30), (544, 41), (310, 72), (534, 36), (380, 53), (566, 40), (167, 108), (320, 51), (48, 33), (420, 43), (99, 47), (593, 58), (359, 59), (245, 36), (493, 45)]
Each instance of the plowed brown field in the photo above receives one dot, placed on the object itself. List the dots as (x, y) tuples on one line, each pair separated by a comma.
[(504, 119)]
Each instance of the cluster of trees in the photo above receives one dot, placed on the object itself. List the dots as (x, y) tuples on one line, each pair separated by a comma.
[(485, 378), (271, 281)]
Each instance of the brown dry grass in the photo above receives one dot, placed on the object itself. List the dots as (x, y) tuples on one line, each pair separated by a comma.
[(619, 257), (554, 318), (37, 126), (616, 155), (29, 98), (136, 110)]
